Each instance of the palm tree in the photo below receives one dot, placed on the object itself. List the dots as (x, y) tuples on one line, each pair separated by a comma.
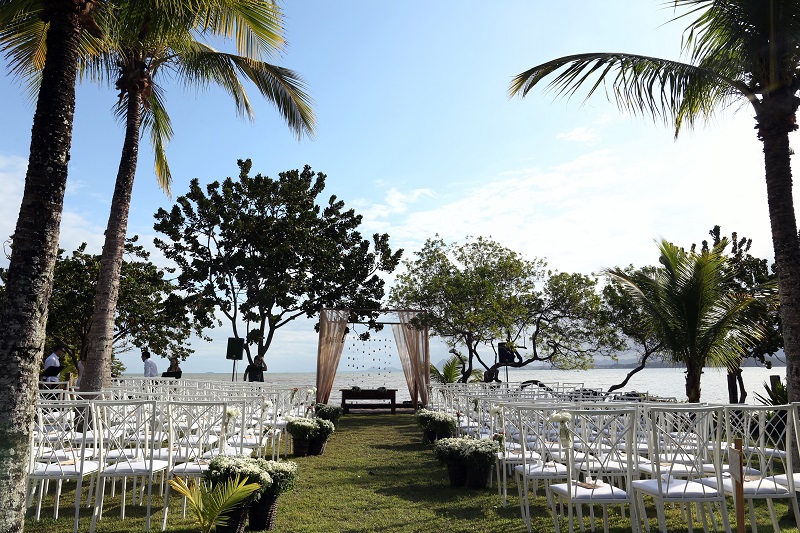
[(138, 50), (745, 51), (452, 371), (689, 303), (59, 27)]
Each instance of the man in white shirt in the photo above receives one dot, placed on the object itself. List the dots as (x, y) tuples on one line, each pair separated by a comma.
[(150, 368), (54, 360)]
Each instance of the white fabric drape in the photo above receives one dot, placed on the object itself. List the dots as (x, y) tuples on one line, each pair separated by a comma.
[(412, 346), (332, 330)]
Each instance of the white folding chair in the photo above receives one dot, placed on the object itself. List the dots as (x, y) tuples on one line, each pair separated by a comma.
[(129, 432), (683, 441), (600, 464)]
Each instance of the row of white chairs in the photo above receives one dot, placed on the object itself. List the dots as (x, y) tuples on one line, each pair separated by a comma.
[(619, 452), (145, 429)]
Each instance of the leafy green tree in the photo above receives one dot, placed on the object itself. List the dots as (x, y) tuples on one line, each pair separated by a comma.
[(632, 324), (744, 51), (140, 47), (689, 305), (479, 292), (264, 252), (59, 27), (150, 313), (451, 371), (753, 276)]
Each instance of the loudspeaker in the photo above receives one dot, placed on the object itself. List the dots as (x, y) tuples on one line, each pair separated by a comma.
[(504, 355), (235, 349)]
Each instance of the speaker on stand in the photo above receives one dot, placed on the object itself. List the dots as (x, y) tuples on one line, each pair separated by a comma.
[(235, 353)]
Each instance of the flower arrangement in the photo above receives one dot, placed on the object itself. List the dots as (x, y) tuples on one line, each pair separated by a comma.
[(309, 428), (496, 410), (499, 438), (435, 424), (450, 450), (381, 389), (223, 468), (301, 428), (563, 418), (283, 474), (355, 388), (481, 454), (232, 413), (328, 412)]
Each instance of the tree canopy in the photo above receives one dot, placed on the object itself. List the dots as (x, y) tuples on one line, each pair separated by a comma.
[(690, 307), (479, 293), (264, 252)]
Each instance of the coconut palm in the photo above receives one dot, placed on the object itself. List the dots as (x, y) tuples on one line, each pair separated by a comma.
[(690, 305), (58, 28), (451, 372), (139, 50), (740, 51)]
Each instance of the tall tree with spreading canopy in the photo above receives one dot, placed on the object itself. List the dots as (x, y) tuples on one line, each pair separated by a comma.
[(140, 48), (263, 252), (740, 51), (480, 292), (36, 36), (690, 307)]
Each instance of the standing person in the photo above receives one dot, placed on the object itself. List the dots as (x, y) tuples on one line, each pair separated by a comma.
[(255, 370), (54, 360), (150, 368)]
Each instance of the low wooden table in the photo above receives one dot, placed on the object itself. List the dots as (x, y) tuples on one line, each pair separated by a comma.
[(348, 395)]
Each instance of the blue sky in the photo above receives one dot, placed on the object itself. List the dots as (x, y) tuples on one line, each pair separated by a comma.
[(415, 131)]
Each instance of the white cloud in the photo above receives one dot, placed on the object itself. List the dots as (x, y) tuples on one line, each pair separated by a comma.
[(582, 134)]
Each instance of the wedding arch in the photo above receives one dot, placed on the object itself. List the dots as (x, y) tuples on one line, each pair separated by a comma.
[(412, 346)]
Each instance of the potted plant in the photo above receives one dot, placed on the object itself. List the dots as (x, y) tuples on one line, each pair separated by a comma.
[(284, 477), (325, 429), (480, 455), (329, 412), (450, 452), (211, 503), (302, 431), (223, 468), (435, 424)]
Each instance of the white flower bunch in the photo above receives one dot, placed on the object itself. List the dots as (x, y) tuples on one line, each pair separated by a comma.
[(232, 412), (561, 417), (496, 410)]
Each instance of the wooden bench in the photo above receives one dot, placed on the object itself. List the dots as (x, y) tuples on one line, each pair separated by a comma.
[(352, 399)]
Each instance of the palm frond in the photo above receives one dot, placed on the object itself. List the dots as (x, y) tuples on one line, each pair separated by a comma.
[(661, 88), (255, 25)]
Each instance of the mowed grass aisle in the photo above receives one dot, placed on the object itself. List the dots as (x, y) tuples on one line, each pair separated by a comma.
[(376, 475)]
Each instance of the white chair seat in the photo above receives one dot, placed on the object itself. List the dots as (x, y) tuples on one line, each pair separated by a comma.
[(752, 487), (675, 488), (56, 470), (192, 468), (134, 468), (783, 480), (541, 471), (605, 491)]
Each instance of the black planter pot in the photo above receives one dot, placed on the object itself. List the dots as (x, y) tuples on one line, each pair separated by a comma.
[(300, 447), (263, 512), (458, 474), (478, 478), (237, 519), (316, 446)]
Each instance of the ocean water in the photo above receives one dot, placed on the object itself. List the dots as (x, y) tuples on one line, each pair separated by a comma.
[(665, 382)]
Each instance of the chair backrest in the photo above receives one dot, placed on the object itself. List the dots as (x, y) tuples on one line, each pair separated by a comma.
[(59, 436), (767, 434), (602, 446), (683, 441), (190, 428), (129, 431)]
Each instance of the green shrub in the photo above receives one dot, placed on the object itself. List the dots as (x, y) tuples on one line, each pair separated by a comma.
[(328, 412)]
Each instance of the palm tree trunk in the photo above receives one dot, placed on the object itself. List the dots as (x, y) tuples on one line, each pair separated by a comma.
[(98, 363), (774, 125), (693, 374), (35, 246)]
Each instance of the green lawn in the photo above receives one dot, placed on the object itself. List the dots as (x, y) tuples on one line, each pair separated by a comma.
[(376, 475)]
